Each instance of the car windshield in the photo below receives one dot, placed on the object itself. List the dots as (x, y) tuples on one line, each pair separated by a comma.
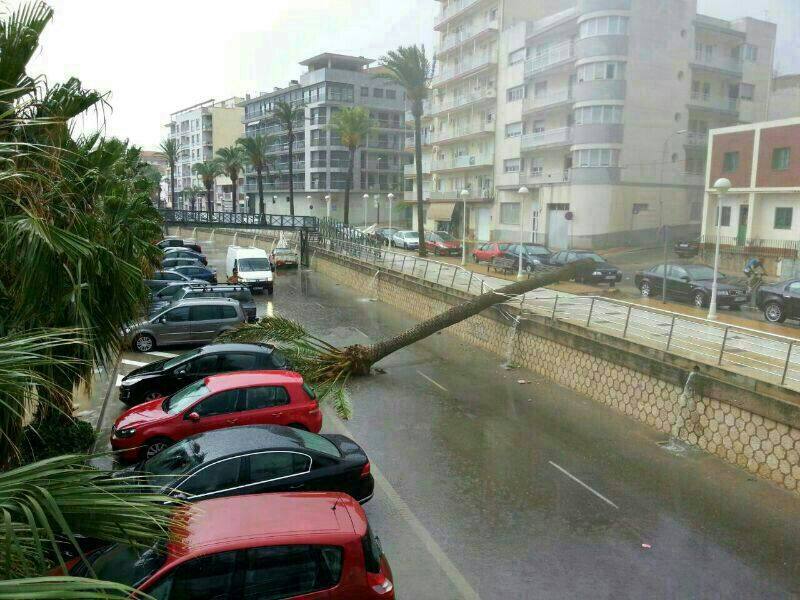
[(284, 251), (253, 264), (699, 271), (408, 234), (183, 399), (123, 564), (537, 250), (167, 467), (595, 257), (445, 237), (173, 362)]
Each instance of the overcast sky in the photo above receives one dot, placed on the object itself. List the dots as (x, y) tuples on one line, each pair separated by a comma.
[(157, 56)]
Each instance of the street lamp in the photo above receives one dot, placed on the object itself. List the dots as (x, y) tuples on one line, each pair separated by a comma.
[(366, 201), (328, 206), (523, 191), (464, 195), (376, 199), (722, 186), (310, 205), (390, 197), (661, 210)]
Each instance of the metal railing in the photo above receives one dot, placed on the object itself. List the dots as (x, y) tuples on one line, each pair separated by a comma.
[(204, 218), (561, 135), (752, 247)]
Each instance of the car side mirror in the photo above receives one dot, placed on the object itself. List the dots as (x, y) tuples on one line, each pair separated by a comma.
[(685, 278), (180, 372), (193, 416)]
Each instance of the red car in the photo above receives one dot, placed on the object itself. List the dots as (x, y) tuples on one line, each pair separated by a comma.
[(294, 546), (486, 252), (240, 398), (442, 243)]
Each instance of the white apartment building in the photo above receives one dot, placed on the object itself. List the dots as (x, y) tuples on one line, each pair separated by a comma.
[(601, 108), (200, 131)]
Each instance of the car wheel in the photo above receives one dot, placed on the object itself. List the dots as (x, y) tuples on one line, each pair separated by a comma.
[(736, 307), (699, 299), (773, 312), (299, 426), (475, 258), (155, 446), (151, 395), (528, 268), (645, 289), (144, 342)]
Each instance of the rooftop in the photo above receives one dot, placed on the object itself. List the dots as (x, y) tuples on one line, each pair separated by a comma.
[(330, 60)]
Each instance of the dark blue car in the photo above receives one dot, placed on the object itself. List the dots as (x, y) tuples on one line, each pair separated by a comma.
[(198, 272)]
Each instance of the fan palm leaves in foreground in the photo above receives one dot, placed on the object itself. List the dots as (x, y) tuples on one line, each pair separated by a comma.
[(353, 126), (255, 150), (231, 160), (329, 368)]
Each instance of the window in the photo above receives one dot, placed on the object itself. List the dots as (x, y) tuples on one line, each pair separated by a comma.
[(203, 365), (536, 165), (266, 397), (780, 159), (611, 25), (639, 207), (377, 92), (514, 129), (205, 578), (178, 315), (596, 157), (364, 92), (220, 476), (657, 271), (516, 57), (749, 52), (391, 94), (783, 217), (206, 313), (676, 272), (273, 465), (218, 404), (512, 165), (730, 162), (601, 70), (592, 115), (747, 91), (238, 361), (276, 572), (509, 213), (515, 93), (228, 312), (726, 216)]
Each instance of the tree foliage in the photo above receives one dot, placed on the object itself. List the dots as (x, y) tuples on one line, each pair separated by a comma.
[(353, 124)]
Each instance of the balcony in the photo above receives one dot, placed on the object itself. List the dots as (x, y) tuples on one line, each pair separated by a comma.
[(536, 27), (550, 137), (470, 65), (298, 165), (383, 124), (725, 64), (473, 33), (539, 177), (455, 133), (411, 170), (455, 103), (548, 100), (384, 144), (556, 55), (379, 165), (278, 148), (463, 162), (697, 139), (426, 109), (427, 140), (455, 196), (451, 10), (709, 102)]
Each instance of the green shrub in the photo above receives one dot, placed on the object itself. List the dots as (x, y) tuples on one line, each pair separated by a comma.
[(55, 435)]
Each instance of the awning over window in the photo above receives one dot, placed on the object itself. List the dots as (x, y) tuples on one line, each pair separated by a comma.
[(442, 211)]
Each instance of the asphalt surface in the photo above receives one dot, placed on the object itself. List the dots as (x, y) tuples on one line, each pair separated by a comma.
[(487, 488)]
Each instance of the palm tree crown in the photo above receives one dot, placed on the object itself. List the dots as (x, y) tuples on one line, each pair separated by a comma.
[(353, 126), (232, 159)]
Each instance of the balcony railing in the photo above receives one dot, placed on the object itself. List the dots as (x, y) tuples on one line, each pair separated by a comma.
[(427, 139), (451, 133), (715, 102), (384, 124), (562, 52), (723, 63), (455, 39), (298, 145), (696, 138), (541, 101), (451, 10), (540, 176), (535, 27), (475, 62), (411, 170), (463, 162), (297, 165), (548, 137), (453, 196), (379, 165), (452, 103)]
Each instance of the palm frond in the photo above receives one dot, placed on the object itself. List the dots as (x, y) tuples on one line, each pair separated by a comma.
[(66, 588)]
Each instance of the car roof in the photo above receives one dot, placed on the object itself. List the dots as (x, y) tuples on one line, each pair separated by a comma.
[(241, 379), (275, 519), (263, 348), (242, 252), (193, 301), (174, 249), (222, 287)]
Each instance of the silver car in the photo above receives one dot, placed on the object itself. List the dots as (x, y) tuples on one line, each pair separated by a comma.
[(190, 321)]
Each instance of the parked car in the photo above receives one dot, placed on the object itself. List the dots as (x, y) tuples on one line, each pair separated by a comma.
[(164, 277), (599, 272), (192, 321), (165, 377), (779, 301), (691, 283), (687, 248), (240, 293), (442, 243), (486, 252), (255, 459), (385, 234), (169, 262), (533, 255), (406, 239), (252, 267), (284, 257), (198, 272), (290, 545), (173, 252), (175, 242), (240, 398)]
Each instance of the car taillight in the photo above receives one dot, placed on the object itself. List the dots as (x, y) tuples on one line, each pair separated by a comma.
[(365, 471), (379, 583)]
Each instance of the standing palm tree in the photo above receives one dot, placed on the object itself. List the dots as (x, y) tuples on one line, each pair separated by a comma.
[(255, 150), (410, 68), (171, 151), (208, 172), (194, 191), (353, 126), (287, 115), (231, 160)]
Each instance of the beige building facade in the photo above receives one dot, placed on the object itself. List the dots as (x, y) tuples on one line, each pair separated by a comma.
[(784, 102)]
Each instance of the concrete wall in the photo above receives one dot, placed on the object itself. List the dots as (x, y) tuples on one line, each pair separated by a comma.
[(748, 424)]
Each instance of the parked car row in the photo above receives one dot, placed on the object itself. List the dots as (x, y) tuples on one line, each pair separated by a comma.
[(691, 283)]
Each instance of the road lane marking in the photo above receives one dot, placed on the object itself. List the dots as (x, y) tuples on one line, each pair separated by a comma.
[(576, 480), (119, 379), (161, 354), (361, 332), (465, 590), (440, 386), (133, 363)]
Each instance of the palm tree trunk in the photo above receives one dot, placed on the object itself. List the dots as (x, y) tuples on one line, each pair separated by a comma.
[(234, 186), (210, 199), (172, 184), (418, 160), (291, 171), (260, 191), (348, 184)]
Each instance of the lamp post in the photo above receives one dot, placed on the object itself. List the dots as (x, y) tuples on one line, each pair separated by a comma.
[(722, 186), (365, 197), (661, 210), (523, 191), (464, 195), (328, 206), (376, 199), (310, 205), (390, 196)]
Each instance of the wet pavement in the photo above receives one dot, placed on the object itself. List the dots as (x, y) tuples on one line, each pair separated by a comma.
[(488, 488)]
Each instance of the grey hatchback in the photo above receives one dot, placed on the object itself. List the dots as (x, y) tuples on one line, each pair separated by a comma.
[(189, 321)]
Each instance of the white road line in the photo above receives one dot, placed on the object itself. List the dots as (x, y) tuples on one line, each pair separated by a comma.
[(119, 379), (162, 354), (402, 509), (576, 480), (440, 386), (133, 363)]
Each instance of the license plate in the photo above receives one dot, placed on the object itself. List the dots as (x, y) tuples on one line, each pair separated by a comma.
[(258, 287), (610, 276)]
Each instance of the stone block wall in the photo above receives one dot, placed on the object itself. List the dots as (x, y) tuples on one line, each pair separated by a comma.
[(763, 446)]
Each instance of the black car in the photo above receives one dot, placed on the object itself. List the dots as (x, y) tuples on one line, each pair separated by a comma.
[(256, 459), (533, 255), (185, 253), (241, 293), (384, 234), (169, 262), (161, 279), (780, 301), (599, 271), (198, 272), (165, 377), (691, 283), (686, 248), (173, 242)]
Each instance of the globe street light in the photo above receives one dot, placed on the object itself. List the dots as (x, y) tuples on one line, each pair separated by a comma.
[(310, 205), (464, 195), (722, 186), (523, 191), (390, 196), (366, 202)]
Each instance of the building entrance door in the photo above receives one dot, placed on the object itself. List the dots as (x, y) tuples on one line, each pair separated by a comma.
[(483, 218), (557, 226)]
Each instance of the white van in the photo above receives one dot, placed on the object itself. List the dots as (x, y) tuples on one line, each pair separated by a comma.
[(252, 267)]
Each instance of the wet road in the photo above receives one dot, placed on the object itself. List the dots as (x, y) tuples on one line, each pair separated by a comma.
[(492, 489)]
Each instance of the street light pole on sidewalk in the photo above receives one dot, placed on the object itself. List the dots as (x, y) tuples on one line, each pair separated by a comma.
[(663, 228), (390, 197), (722, 186), (523, 191), (464, 195), (365, 197)]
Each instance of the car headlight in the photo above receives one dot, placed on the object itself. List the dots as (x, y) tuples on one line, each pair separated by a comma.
[(131, 380), (269, 276), (126, 432), (596, 273), (536, 261)]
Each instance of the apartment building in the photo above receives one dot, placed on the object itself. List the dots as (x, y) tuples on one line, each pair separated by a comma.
[(600, 108), (784, 102), (320, 162), (200, 131)]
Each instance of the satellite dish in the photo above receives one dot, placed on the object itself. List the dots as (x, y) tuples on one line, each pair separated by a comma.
[(569, 215)]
